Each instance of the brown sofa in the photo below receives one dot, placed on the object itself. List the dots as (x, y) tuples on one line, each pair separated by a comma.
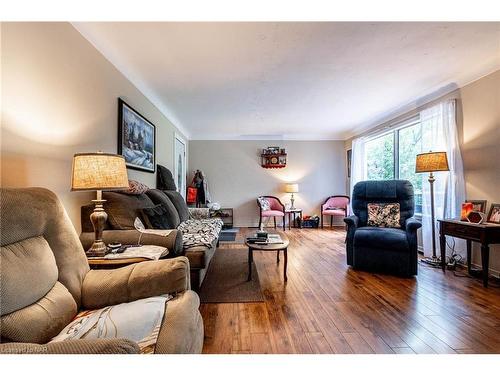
[(45, 280), (123, 209)]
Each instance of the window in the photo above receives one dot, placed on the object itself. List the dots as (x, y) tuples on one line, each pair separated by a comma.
[(392, 156)]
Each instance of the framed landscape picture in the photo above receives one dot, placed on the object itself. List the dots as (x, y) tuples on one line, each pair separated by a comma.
[(136, 139)]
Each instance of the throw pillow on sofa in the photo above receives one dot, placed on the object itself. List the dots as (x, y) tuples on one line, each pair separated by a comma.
[(179, 203), (159, 197), (385, 215), (156, 217)]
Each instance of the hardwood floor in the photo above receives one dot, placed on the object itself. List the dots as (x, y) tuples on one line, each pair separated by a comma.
[(326, 307)]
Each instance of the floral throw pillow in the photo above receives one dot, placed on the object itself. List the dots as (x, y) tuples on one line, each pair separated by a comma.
[(264, 203), (385, 215)]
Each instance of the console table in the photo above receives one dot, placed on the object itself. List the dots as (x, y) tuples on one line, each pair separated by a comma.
[(486, 234)]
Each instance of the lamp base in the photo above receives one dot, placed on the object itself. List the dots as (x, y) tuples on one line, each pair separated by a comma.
[(98, 249), (98, 219), (432, 261)]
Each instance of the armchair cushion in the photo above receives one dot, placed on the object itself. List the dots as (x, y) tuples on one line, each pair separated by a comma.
[(334, 212), (42, 320), (269, 213), (141, 280), (384, 238)]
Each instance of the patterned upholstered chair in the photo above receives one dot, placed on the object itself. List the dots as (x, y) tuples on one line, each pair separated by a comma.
[(381, 249), (273, 208), (335, 205)]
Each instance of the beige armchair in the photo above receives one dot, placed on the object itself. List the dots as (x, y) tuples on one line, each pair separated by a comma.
[(45, 280)]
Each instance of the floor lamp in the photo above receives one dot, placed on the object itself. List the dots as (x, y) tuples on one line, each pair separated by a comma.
[(432, 162)]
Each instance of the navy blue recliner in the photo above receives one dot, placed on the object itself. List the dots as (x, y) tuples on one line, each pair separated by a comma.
[(385, 250)]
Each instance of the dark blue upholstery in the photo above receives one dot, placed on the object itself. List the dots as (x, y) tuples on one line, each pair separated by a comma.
[(389, 250)]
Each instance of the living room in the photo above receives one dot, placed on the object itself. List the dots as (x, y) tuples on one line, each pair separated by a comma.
[(262, 187)]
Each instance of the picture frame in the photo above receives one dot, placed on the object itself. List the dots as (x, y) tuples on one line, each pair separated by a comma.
[(494, 214), (136, 138), (477, 205)]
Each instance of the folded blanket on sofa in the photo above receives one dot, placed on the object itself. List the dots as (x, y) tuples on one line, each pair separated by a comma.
[(200, 232)]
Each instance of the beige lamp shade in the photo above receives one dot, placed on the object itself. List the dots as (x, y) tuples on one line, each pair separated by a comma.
[(292, 188), (99, 171), (431, 162)]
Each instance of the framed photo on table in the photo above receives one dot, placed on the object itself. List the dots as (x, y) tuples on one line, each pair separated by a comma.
[(477, 205), (494, 214), (136, 139)]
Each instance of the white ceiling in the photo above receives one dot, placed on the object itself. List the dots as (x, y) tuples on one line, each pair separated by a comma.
[(298, 80)]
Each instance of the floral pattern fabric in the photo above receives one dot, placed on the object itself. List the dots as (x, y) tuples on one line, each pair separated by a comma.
[(200, 232), (385, 215)]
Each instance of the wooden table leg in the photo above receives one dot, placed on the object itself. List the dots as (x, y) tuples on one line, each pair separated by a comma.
[(289, 218), (278, 257), (485, 260), (286, 262), (250, 261), (469, 256), (442, 245)]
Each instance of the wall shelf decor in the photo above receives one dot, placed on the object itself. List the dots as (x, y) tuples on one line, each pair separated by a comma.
[(273, 157)]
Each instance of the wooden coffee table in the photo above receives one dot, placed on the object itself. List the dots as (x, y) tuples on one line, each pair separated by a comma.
[(271, 247)]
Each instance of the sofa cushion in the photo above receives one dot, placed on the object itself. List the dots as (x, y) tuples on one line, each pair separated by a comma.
[(179, 203), (385, 238), (159, 197), (270, 213), (122, 209), (200, 256), (29, 272), (383, 215), (164, 179)]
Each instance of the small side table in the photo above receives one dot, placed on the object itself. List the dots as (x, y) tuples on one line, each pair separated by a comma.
[(111, 263), (486, 234), (270, 247), (294, 212)]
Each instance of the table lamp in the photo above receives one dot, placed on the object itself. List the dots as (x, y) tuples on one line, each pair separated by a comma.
[(432, 162), (98, 171), (292, 188)]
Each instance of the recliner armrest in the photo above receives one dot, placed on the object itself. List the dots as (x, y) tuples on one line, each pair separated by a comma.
[(141, 280), (412, 224), (352, 221)]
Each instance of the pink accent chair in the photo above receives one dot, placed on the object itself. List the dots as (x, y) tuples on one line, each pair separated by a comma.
[(277, 209), (336, 205)]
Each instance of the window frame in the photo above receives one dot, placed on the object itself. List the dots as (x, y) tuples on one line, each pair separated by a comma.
[(395, 130)]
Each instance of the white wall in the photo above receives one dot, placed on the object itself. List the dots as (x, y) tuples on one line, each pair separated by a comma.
[(59, 98), (236, 178)]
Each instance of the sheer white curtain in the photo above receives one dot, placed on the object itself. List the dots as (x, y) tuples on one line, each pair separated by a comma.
[(358, 162), (439, 133)]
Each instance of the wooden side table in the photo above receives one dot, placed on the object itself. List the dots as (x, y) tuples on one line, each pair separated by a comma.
[(271, 247), (110, 263), (294, 212), (486, 234)]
